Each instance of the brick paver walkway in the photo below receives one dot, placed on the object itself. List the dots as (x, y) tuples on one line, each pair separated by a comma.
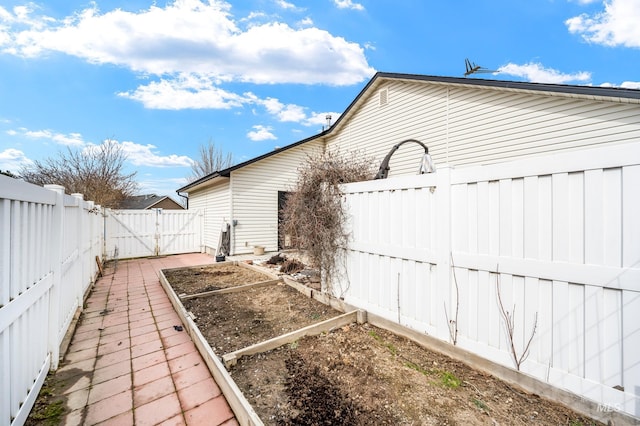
[(133, 365)]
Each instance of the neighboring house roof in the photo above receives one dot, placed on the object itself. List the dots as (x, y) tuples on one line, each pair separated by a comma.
[(615, 94), (149, 201)]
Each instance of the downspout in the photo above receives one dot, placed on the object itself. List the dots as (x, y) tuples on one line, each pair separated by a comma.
[(186, 199), (233, 221)]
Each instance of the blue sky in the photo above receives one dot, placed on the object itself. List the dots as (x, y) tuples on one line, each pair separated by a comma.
[(162, 78)]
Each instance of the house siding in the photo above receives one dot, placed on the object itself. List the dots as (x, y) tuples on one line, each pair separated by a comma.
[(255, 196), (475, 125), (215, 204)]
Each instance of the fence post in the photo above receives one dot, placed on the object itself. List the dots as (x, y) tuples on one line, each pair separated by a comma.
[(56, 251), (105, 218), (81, 244), (443, 249)]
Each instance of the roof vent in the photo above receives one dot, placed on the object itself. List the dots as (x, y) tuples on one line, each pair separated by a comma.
[(384, 97)]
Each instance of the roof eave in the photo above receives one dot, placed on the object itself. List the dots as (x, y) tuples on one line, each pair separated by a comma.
[(203, 183)]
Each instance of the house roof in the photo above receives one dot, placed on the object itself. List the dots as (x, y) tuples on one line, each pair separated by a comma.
[(615, 94), (227, 172), (142, 202)]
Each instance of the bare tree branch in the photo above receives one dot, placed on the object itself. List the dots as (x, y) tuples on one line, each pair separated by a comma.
[(96, 171), (211, 160)]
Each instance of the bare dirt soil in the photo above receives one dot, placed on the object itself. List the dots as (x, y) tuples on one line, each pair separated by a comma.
[(211, 277), (234, 321), (355, 375)]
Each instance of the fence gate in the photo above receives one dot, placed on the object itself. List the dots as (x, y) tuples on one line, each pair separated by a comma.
[(154, 232)]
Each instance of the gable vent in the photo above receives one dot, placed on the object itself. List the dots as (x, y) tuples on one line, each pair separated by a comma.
[(384, 97)]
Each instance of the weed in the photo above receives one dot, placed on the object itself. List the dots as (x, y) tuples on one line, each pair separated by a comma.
[(293, 345), (392, 348), (578, 423), (52, 414), (449, 380), (481, 405), (416, 367)]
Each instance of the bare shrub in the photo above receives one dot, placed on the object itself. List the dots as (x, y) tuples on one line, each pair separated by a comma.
[(509, 325), (96, 171), (314, 214)]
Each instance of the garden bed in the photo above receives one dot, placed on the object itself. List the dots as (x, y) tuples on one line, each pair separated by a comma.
[(351, 374)]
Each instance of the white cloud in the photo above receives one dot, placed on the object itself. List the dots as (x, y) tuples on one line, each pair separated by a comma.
[(13, 159), (305, 22), (538, 73), (617, 25), (138, 155), (143, 155), (348, 4), (189, 36), (261, 133), (624, 85), (186, 91), (320, 118), (166, 186), (290, 112), (293, 113), (71, 139), (285, 4)]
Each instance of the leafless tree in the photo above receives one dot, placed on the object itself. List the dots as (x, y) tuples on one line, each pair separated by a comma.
[(314, 215), (212, 159), (95, 171)]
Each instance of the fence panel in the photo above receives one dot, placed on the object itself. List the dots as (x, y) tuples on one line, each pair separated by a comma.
[(555, 239), (41, 285)]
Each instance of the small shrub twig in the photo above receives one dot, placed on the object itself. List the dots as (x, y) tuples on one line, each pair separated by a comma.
[(452, 324), (509, 323)]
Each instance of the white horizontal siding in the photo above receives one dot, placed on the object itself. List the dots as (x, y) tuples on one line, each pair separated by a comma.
[(255, 196), (412, 112), (471, 125), (215, 203)]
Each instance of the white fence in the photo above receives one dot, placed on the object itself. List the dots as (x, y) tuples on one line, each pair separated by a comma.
[(559, 235), (48, 245), (155, 232)]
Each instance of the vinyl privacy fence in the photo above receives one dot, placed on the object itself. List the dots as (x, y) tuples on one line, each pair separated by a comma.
[(48, 245), (557, 238), (153, 232)]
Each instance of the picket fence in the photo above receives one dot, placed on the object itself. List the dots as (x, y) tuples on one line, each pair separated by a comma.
[(48, 246), (557, 236)]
